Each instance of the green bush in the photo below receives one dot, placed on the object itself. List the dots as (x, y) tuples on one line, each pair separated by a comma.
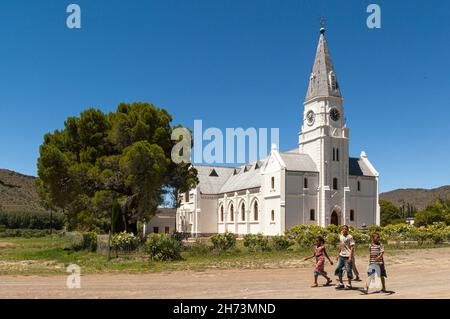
[(256, 242), (361, 238), (90, 241), (224, 241), (31, 220), (124, 242), (25, 233), (281, 242), (83, 241), (179, 236), (163, 247)]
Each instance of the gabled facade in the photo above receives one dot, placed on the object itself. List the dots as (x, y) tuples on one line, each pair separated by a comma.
[(316, 183)]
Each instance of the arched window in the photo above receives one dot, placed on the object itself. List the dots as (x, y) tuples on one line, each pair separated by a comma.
[(221, 214), (359, 186), (272, 183), (243, 212), (272, 215), (334, 154), (305, 182), (335, 183), (352, 215), (337, 155), (232, 213), (255, 211), (312, 214)]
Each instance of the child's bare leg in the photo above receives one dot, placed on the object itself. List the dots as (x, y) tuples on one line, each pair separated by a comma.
[(383, 283), (315, 284), (328, 279)]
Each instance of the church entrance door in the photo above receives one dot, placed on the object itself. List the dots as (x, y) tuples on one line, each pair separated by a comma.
[(334, 218)]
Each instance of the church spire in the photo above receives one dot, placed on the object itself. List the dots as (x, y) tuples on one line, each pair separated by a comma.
[(322, 82)]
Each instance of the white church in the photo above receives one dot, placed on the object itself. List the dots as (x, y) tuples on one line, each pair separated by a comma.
[(315, 184)]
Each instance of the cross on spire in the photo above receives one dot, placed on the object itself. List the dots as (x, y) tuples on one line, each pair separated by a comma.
[(322, 24)]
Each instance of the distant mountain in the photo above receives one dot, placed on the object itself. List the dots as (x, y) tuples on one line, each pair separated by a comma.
[(18, 192), (418, 197)]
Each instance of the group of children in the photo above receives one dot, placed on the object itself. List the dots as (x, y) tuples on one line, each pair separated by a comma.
[(346, 260)]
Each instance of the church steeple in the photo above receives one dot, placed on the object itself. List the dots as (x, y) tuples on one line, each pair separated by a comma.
[(323, 80)]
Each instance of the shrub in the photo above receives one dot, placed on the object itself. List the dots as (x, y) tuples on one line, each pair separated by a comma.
[(360, 238), (124, 242), (224, 241), (90, 241), (31, 220), (281, 242), (305, 235), (256, 242), (25, 233), (179, 236), (163, 247)]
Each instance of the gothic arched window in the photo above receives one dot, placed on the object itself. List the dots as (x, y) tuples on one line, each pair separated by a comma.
[(312, 214), (232, 213), (243, 212), (335, 183), (221, 214), (255, 211)]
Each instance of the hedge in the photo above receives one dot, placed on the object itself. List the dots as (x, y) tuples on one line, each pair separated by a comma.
[(31, 220)]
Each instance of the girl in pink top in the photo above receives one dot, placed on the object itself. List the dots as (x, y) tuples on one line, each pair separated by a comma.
[(320, 253)]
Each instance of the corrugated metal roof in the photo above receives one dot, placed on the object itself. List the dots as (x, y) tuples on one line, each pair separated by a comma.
[(212, 184), (245, 179), (298, 162)]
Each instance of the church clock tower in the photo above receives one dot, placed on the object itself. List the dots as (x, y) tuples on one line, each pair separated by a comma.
[(324, 136)]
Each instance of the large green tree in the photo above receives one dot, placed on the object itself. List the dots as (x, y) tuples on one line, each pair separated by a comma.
[(390, 214), (122, 157), (438, 212)]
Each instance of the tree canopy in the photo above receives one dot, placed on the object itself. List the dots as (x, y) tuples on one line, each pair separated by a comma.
[(438, 212), (390, 214), (100, 159)]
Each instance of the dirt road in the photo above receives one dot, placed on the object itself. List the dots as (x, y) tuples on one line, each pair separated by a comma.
[(412, 274)]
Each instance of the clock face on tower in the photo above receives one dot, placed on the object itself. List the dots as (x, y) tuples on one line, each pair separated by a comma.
[(310, 116), (334, 114)]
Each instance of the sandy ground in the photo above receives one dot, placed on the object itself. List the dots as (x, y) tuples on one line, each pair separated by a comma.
[(412, 274)]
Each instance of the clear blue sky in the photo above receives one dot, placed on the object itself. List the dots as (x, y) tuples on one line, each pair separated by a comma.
[(233, 63)]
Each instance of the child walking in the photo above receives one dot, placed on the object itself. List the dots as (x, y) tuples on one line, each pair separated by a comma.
[(376, 252), (320, 253)]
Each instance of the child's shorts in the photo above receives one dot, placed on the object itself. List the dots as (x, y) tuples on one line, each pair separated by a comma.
[(383, 270)]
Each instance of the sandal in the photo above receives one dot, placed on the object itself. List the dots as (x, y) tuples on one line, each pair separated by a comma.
[(314, 285), (328, 282)]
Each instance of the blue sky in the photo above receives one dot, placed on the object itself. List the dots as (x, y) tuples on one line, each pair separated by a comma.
[(233, 63)]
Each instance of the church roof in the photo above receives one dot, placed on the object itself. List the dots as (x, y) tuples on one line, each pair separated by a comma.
[(211, 184), (220, 179), (247, 178), (357, 167), (298, 162), (323, 77)]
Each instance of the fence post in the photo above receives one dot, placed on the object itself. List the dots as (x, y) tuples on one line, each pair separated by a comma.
[(109, 245)]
